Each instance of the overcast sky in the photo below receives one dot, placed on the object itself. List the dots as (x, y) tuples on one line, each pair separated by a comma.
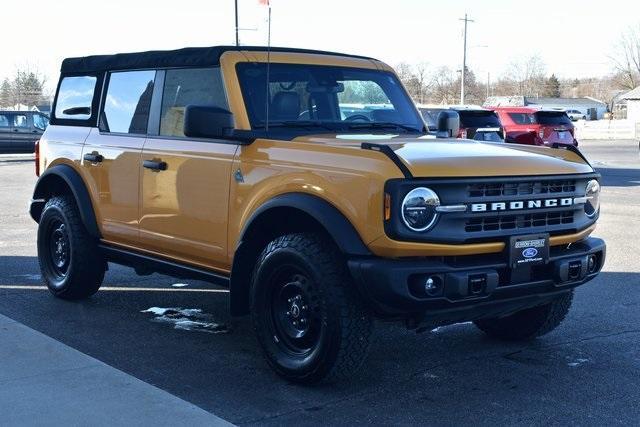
[(574, 37)]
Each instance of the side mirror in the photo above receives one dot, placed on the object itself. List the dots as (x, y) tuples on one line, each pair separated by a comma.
[(448, 124), (202, 121)]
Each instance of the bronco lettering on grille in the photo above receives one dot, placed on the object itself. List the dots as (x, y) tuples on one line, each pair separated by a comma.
[(521, 204)]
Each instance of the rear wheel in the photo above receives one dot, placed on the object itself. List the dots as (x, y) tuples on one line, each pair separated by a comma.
[(306, 314), (71, 264), (530, 323)]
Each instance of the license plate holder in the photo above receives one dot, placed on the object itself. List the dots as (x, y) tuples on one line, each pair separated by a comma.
[(528, 250)]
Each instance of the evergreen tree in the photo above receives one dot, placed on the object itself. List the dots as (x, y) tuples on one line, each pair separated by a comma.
[(552, 88), (5, 94)]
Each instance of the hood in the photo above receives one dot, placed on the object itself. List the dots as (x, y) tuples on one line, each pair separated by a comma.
[(427, 156)]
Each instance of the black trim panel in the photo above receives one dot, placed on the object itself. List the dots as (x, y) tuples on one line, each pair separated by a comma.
[(388, 151), (75, 182)]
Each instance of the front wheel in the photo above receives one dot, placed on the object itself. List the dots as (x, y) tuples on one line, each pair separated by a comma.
[(71, 264), (307, 315), (529, 323)]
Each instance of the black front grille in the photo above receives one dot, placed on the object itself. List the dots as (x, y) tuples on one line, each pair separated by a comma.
[(513, 222), (521, 188)]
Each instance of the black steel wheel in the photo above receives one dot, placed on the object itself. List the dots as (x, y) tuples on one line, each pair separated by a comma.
[(308, 318), (71, 264)]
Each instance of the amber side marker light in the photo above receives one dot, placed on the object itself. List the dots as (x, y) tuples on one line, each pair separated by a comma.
[(36, 151), (387, 206)]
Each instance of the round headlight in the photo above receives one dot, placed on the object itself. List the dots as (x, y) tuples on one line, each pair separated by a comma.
[(419, 209), (593, 198)]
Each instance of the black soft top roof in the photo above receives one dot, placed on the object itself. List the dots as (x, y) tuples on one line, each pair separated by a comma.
[(186, 57)]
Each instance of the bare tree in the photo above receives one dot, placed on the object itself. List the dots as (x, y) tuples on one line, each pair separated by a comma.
[(527, 76), (26, 87), (626, 58)]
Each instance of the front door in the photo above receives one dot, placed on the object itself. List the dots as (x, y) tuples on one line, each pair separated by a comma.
[(185, 182), (112, 154)]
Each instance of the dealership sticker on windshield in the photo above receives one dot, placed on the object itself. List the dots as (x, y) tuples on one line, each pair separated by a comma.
[(528, 250)]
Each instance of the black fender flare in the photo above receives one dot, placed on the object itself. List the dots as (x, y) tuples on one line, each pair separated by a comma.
[(76, 185), (324, 213)]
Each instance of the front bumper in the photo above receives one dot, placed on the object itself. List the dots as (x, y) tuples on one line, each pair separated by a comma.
[(474, 286)]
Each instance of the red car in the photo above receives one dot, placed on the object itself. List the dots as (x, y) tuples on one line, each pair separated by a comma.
[(534, 126)]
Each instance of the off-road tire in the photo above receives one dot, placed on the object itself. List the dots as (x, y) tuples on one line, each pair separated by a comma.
[(530, 323), (81, 275), (342, 322)]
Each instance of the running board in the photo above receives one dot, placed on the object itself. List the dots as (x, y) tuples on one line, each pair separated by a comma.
[(149, 263)]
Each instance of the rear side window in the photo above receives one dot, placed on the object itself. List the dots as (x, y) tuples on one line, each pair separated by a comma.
[(20, 121), (523, 118), (128, 101), (479, 119), (553, 118), (4, 120), (74, 95), (182, 87), (40, 122)]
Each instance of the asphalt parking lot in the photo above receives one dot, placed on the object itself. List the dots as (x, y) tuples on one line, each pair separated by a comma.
[(585, 372)]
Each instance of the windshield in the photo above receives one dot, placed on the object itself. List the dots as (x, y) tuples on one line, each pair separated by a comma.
[(326, 97)]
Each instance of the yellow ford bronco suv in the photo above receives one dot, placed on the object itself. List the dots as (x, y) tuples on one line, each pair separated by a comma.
[(307, 183)]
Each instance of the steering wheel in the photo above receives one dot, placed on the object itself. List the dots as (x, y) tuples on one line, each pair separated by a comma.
[(284, 86), (357, 117)]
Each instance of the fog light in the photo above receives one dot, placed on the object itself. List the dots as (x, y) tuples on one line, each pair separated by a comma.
[(433, 286), (592, 264)]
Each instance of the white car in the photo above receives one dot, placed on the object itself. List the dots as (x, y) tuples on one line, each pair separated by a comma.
[(576, 115)]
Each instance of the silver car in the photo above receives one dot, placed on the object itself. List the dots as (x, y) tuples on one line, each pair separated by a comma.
[(576, 115)]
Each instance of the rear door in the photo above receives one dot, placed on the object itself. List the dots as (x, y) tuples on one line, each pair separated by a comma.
[(23, 137), (5, 132), (111, 154)]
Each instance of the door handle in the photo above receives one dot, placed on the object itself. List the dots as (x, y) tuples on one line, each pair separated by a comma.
[(16, 130), (93, 157), (156, 165)]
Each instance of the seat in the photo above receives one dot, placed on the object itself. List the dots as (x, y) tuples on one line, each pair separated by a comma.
[(285, 106)]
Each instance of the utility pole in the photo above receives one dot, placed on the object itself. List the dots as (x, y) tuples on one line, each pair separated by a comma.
[(488, 83), (237, 37), (464, 58)]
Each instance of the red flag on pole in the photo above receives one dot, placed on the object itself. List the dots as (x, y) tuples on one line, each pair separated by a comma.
[(264, 2)]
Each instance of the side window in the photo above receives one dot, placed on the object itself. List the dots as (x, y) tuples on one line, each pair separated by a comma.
[(75, 96), (4, 121), (182, 87), (20, 121), (522, 118), (128, 100), (40, 121)]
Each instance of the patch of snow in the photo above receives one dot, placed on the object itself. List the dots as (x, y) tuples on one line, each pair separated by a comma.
[(577, 362), (187, 319), (180, 285)]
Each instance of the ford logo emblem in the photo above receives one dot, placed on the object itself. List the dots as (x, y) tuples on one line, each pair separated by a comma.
[(530, 252)]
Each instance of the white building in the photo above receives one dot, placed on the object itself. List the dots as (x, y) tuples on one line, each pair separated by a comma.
[(593, 109), (633, 104)]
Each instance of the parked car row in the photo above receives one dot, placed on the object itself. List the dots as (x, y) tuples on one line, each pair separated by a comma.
[(19, 130), (519, 125)]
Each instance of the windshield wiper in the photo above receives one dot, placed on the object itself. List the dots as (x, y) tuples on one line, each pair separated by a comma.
[(383, 125), (297, 124)]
